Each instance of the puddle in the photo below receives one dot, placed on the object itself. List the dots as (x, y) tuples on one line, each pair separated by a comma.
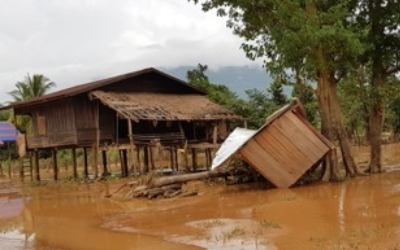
[(232, 234), (363, 213)]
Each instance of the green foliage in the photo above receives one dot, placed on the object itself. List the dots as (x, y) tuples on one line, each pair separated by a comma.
[(5, 115), (29, 88), (354, 98), (258, 106), (338, 39), (306, 95), (307, 35), (276, 91), (220, 94)]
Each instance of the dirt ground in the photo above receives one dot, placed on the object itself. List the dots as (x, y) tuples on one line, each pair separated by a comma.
[(362, 213)]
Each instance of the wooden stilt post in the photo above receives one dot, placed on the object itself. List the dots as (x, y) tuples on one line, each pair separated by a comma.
[(97, 145), (171, 157), (37, 169), (85, 163), (121, 160), (104, 156), (74, 164), (125, 159), (131, 144), (208, 158), (55, 165), (175, 154), (151, 156), (95, 160), (139, 166), (194, 159), (146, 159)]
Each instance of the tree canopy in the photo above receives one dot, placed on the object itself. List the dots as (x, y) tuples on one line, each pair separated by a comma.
[(32, 86)]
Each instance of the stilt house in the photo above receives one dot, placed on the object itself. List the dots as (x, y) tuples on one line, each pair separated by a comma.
[(131, 110)]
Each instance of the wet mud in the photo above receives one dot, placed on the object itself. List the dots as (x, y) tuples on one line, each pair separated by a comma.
[(362, 213)]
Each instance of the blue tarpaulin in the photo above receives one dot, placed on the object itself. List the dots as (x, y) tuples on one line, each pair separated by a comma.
[(8, 132)]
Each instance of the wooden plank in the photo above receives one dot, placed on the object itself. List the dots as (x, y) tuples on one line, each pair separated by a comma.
[(41, 125), (266, 165), (285, 126), (271, 144), (322, 147), (327, 142), (298, 152)]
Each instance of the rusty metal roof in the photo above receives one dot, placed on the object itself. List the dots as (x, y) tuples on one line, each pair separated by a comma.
[(87, 87), (161, 106)]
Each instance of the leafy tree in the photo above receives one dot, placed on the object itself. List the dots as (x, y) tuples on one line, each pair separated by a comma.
[(5, 115), (31, 87), (353, 95), (307, 35), (260, 107), (306, 95), (276, 90), (379, 23)]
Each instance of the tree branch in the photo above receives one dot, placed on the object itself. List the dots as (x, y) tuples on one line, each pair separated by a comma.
[(393, 70)]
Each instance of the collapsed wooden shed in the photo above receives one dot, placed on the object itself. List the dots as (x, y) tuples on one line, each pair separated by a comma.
[(282, 150), (130, 112)]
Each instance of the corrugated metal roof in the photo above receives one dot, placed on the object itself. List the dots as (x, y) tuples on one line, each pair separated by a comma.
[(158, 106), (87, 87), (8, 132)]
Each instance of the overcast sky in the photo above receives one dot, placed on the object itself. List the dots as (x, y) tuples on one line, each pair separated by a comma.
[(76, 41)]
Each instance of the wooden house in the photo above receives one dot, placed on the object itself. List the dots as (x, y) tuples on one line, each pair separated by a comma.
[(131, 110), (282, 150)]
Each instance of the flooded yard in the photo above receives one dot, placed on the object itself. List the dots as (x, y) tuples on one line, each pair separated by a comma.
[(363, 213)]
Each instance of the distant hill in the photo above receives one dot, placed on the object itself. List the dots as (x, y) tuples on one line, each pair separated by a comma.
[(237, 78)]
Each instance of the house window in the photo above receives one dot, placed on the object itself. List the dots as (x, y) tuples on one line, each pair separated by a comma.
[(41, 125)]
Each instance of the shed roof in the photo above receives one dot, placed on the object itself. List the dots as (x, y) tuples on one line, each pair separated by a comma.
[(163, 106), (282, 150), (87, 87), (8, 132)]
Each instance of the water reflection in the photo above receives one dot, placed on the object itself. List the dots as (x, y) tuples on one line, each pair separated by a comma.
[(362, 212)]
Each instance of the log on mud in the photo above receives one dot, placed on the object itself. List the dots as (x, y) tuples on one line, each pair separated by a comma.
[(167, 180), (168, 186)]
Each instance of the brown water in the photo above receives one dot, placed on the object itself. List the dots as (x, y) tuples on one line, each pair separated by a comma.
[(363, 213)]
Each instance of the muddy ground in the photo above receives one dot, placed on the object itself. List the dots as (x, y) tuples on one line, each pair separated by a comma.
[(362, 213)]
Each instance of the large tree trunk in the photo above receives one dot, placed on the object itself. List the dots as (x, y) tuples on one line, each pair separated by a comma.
[(331, 171), (376, 116), (333, 128), (376, 110)]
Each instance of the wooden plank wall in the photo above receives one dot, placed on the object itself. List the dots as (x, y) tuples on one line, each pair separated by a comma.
[(53, 125), (284, 150)]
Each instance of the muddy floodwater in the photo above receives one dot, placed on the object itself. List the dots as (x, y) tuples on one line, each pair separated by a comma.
[(363, 213)]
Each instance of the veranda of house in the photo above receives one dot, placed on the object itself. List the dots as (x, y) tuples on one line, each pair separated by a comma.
[(145, 117)]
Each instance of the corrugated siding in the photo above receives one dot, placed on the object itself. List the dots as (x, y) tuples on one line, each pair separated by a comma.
[(284, 150)]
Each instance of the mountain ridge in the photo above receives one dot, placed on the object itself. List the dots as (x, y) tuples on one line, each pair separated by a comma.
[(236, 78)]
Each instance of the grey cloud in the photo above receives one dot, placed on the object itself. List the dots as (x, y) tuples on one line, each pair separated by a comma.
[(76, 41)]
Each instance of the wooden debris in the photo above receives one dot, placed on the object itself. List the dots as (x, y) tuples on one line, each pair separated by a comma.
[(151, 187), (165, 187)]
